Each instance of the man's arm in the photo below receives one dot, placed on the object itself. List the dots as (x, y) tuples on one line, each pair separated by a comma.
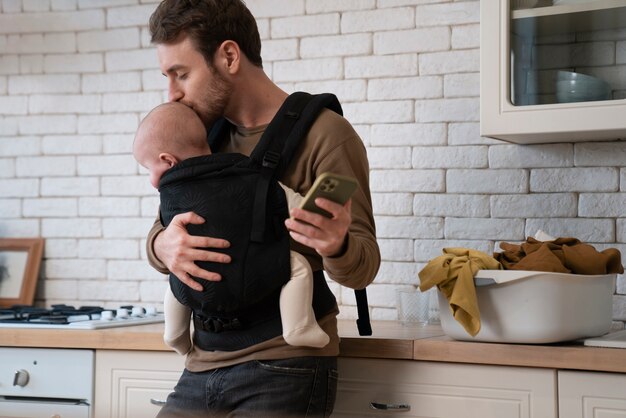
[(326, 235), (347, 241), (315, 233), (350, 257), (173, 250)]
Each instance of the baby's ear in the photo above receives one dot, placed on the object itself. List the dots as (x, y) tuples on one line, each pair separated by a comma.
[(168, 158)]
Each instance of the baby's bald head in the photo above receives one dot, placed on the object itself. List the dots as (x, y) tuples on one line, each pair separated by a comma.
[(170, 133), (172, 128)]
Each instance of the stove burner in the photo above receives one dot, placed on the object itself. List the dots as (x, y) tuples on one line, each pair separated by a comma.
[(84, 317), (58, 314)]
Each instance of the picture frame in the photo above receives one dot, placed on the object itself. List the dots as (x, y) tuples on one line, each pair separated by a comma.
[(20, 259)]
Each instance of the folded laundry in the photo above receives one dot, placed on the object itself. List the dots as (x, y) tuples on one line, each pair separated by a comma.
[(453, 273), (562, 255)]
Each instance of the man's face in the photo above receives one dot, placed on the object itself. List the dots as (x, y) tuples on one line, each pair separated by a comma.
[(192, 81)]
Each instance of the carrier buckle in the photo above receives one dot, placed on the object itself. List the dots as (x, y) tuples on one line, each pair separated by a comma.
[(270, 159), (217, 325)]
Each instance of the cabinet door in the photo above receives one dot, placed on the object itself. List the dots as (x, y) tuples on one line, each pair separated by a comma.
[(132, 384), (404, 388), (592, 395), (523, 55)]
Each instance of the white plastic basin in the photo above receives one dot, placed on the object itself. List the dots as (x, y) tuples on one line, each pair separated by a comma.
[(536, 307)]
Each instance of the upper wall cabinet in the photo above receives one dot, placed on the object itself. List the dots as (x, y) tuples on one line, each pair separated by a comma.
[(553, 70)]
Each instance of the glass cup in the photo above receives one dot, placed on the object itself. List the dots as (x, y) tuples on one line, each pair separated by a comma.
[(413, 307), (433, 306)]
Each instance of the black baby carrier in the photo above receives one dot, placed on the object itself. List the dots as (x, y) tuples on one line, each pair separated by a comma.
[(241, 201)]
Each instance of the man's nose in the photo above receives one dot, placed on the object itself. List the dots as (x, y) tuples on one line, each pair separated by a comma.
[(174, 93)]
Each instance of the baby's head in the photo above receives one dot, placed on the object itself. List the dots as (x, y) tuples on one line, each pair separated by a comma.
[(170, 133)]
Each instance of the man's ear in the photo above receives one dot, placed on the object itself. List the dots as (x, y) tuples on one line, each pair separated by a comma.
[(168, 159), (229, 56)]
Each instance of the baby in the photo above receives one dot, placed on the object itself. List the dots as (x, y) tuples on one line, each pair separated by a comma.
[(171, 133)]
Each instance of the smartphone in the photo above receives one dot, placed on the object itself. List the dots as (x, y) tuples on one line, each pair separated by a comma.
[(329, 186)]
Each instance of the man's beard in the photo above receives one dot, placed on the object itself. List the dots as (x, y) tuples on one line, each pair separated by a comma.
[(215, 100)]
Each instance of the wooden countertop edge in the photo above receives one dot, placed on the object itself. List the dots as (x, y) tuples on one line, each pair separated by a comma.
[(376, 348), (566, 356), (149, 340), (421, 344), (114, 339)]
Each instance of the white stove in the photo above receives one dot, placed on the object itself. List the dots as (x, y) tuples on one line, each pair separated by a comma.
[(36, 383), (86, 317), (46, 382)]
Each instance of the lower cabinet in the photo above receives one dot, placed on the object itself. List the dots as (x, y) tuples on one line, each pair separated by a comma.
[(133, 384), (404, 388), (592, 395)]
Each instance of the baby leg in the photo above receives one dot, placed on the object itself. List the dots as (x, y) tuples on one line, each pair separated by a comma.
[(177, 322), (296, 310)]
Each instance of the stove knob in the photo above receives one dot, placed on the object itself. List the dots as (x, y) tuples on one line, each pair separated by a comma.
[(106, 315), (122, 313), (21, 378), (137, 311), (151, 311)]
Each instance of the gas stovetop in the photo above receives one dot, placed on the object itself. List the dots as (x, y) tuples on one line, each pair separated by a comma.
[(84, 317)]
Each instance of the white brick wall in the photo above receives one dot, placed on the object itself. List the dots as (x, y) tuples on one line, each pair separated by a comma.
[(76, 76), (52, 22), (38, 84)]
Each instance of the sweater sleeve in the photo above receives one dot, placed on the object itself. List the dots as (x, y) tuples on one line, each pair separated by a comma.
[(332, 145), (359, 263), (154, 261)]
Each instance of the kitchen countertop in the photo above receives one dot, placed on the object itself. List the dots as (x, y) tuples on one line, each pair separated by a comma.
[(390, 340)]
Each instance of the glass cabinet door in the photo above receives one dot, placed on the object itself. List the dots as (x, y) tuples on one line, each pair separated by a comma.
[(567, 51), (553, 70)]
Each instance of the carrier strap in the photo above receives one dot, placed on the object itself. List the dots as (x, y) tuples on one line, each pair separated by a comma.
[(363, 315), (268, 153), (219, 131), (305, 110)]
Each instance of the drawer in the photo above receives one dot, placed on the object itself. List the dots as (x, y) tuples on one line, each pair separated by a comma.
[(403, 388), (134, 384)]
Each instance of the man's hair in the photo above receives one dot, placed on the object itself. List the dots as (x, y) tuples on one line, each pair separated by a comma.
[(208, 23)]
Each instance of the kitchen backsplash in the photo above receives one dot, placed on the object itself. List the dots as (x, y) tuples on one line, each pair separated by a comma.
[(76, 76)]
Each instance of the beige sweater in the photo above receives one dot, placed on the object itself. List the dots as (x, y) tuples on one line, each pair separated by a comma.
[(331, 145)]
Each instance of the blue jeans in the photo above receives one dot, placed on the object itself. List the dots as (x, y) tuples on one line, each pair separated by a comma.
[(294, 387)]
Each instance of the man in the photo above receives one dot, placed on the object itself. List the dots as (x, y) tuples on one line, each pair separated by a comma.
[(210, 52)]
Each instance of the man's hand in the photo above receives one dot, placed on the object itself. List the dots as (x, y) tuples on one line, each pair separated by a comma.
[(325, 235), (178, 250)]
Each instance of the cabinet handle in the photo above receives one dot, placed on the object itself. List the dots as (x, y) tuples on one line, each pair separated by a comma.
[(157, 402), (396, 407)]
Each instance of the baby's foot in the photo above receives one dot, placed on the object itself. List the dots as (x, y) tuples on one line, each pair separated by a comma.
[(310, 336)]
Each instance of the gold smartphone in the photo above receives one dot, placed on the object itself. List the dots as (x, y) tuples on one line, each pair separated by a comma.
[(329, 186)]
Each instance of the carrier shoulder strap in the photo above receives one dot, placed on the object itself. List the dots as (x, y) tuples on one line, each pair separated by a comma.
[(268, 156), (219, 131), (279, 143), (300, 111)]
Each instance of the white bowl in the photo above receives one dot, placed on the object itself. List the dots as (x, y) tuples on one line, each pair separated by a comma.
[(577, 87)]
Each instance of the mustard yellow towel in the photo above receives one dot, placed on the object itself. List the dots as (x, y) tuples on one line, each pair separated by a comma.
[(453, 273)]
